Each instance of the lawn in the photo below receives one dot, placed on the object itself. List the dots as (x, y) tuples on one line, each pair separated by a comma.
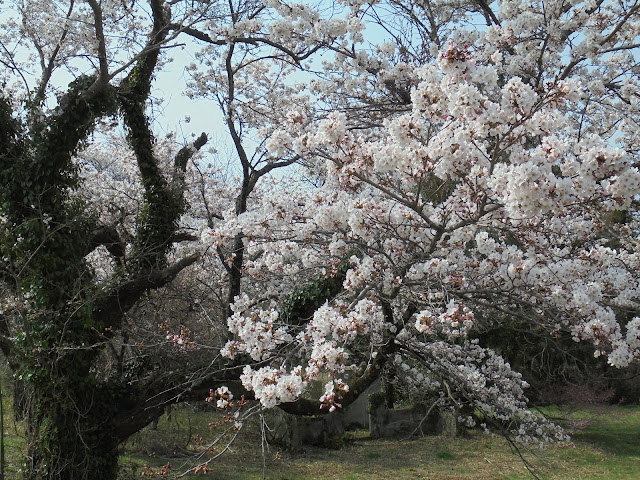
[(606, 445)]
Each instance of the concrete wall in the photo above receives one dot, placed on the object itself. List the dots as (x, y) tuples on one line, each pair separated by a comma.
[(369, 411), (293, 431), (356, 415), (404, 422)]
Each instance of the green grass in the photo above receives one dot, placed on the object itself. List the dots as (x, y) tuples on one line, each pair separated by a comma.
[(14, 443), (606, 446), (607, 443), (445, 456)]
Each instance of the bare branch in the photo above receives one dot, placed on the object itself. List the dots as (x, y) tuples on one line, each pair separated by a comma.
[(47, 70), (102, 50), (187, 152)]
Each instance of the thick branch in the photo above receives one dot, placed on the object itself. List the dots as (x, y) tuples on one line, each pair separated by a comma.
[(108, 236), (164, 203), (110, 309), (183, 237), (137, 84), (134, 91), (186, 153), (488, 13), (145, 403)]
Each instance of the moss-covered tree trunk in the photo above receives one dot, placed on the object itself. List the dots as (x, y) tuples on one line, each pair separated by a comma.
[(46, 236), (64, 317), (72, 438)]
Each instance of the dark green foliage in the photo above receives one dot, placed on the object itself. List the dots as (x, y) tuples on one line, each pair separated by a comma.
[(163, 205), (44, 238), (551, 364), (304, 301), (376, 400), (40, 178), (12, 147)]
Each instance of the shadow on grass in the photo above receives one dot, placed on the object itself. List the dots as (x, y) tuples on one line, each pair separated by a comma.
[(611, 429), (621, 444)]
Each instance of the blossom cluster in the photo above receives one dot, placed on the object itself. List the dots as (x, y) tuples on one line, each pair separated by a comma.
[(482, 191)]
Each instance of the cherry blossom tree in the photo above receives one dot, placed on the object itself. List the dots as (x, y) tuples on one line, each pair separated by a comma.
[(465, 176), (402, 177)]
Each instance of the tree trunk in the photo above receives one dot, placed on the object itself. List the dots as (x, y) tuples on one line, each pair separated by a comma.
[(72, 438), (99, 462)]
